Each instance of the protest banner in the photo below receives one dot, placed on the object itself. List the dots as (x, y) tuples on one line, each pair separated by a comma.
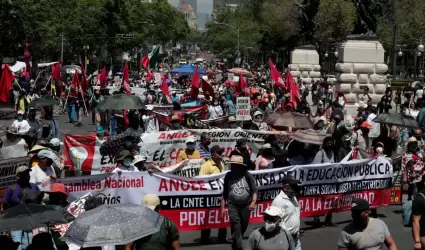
[(194, 203), (243, 108), (396, 190), (162, 148), (7, 172), (14, 151)]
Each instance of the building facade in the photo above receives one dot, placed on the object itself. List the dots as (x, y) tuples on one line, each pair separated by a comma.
[(189, 13), (217, 4)]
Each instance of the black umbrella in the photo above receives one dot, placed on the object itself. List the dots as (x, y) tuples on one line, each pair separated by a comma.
[(397, 119), (44, 101), (31, 216), (121, 102), (114, 143)]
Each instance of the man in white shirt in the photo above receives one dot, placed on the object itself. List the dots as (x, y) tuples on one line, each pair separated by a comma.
[(43, 171), (21, 125), (149, 122), (125, 163), (287, 201), (376, 128)]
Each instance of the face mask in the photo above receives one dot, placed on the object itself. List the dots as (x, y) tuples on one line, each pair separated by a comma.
[(20, 117), (127, 162), (379, 150), (176, 124), (101, 136), (215, 103), (190, 147), (270, 226)]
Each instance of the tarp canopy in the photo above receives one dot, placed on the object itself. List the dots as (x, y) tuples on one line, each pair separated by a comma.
[(187, 69)]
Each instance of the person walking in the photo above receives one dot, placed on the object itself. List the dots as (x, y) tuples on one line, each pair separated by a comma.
[(365, 233), (271, 236), (213, 166), (240, 193), (288, 203), (12, 198)]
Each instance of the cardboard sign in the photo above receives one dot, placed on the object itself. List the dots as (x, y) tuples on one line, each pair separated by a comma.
[(243, 106), (230, 76), (158, 77)]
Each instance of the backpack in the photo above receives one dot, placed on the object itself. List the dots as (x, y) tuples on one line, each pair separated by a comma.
[(167, 225)]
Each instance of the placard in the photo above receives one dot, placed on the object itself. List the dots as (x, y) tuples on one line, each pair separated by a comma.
[(243, 107)]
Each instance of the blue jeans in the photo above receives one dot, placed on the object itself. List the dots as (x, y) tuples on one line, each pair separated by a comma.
[(297, 241), (24, 237), (71, 112)]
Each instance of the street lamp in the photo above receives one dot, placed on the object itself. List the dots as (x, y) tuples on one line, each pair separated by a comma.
[(336, 53), (421, 47), (400, 53), (86, 48), (326, 54), (234, 29)]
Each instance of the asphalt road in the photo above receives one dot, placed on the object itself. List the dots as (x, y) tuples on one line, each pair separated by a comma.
[(321, 238)]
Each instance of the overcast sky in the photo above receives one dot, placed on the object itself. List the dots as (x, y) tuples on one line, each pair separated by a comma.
[(204, 6)]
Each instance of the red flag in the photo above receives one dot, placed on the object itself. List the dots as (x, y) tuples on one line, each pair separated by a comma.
[(76, 81), (242, 84), (125, 80), (207, 88), (194, 90), (103, 77), (27, 57), (294, 92), (84, 83), (145, 63), (56, 73), (6, 83), (276, 77)]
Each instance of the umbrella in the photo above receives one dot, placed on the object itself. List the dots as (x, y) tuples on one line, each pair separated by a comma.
[(397, 119), (121, 101), (187, 69), (240, 70), (31, 216), (116, 224), (44, 102), (309, 136), (70, 69), (114, 143), (289, 119)]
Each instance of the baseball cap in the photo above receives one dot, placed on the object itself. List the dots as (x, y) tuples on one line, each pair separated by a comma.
[(216, 149), (274, 212), (100, 130), (21, 169), (174, 118), (267, 145), (151, 201), (359, 205), (55, 142), (20, 112), (46, 154), (258, 113), (124, 154), (191, 139), (57, 188)]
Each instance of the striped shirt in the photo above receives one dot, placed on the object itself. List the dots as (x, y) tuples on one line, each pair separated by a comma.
[(205, 152)]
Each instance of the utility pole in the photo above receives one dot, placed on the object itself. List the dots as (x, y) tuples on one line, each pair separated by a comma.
[(62, 48)]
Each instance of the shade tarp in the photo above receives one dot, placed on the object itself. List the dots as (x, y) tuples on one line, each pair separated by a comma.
[(187, 69)]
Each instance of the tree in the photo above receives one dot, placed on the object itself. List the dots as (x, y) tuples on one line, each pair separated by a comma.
[(336, 19), (224, 40)]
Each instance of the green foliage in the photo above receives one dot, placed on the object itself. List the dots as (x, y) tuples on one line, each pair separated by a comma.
[(86, 22), (336, 19)]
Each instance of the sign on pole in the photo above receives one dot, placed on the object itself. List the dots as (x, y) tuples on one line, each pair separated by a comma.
[(243, 107), (157, 77), (230, 76)]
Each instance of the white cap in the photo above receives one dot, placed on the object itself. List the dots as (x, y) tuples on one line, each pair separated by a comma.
[(191, 139), (267, 145), (55, 142), (274, 211), (258, 113), (149, 107), (139, 158)]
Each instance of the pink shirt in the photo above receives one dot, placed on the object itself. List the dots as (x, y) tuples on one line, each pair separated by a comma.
[(262, 163)]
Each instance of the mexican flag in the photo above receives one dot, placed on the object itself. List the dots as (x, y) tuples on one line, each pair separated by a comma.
[(148, 62)]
